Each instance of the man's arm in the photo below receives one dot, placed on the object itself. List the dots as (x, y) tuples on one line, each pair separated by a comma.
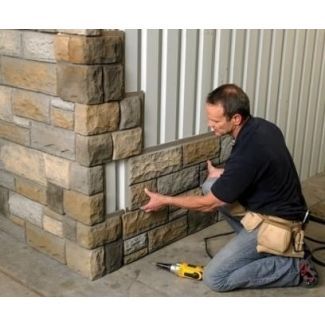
[(204, 203)]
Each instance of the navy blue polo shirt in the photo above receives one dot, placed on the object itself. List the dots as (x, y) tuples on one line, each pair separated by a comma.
[(260, 173)]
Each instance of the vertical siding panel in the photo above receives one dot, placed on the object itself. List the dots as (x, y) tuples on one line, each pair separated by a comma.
[(250, 66), (205, 75), (262, 73), (286, 71), (274, 80), (132, 60), (186, 125), (152, 88), (170, 85), (312, 106), (237, 56), (222, 62), (293, 109), (303, 100)]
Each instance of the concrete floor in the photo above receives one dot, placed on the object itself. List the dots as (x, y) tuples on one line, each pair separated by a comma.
[(25, 272)]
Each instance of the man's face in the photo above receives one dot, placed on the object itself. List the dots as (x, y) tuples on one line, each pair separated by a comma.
[(217, 121)]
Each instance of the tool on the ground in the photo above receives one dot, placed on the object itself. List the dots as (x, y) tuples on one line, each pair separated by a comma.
[(184, 270)]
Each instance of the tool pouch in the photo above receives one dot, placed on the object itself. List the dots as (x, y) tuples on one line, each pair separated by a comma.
[(251, 220)]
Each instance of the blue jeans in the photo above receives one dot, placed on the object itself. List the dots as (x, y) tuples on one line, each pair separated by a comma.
[(238, 264)]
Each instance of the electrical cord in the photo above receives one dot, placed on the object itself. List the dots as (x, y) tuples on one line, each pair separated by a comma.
[(311, 218)]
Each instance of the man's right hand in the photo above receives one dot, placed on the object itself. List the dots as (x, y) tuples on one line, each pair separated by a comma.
[(213, 171)]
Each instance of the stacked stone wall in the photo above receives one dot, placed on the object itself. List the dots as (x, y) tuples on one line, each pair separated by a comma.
[(63, 116)]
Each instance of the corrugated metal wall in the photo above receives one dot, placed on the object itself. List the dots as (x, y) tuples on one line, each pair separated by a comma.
[(282, 71)]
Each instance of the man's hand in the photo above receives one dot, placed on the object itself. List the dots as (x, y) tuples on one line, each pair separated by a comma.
[(157, 201), (213, 171)]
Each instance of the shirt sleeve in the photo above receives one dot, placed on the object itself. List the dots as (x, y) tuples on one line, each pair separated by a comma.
[(238, 176)]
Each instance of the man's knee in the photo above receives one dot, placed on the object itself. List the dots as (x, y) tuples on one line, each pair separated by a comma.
[(214, 280)]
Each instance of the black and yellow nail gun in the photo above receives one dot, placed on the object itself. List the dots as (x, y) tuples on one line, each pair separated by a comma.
[(183, 270)]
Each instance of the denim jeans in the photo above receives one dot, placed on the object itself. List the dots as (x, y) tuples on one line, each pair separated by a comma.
[(238, 264)]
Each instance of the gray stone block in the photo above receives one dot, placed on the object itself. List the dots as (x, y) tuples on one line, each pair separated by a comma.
[(7, 180), (113, 256), (5, 103), (130, 112), (10, 42), (94, 150), (87, 180), (56, 141), (86, 32), (113, 82), (179, 182), (62, 104), (54, 196), (199, 220), (4, 201), (26, 209), (134, 244)]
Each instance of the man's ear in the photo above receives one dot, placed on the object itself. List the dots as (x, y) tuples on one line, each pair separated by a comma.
[(238, 119)]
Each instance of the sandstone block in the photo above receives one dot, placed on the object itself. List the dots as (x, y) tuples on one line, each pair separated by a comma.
[(113, 256), (62, 119), (94, 150), (10, 42), (56, 141), (4, 201), (53, 226), (135, 256), (99, 234), (18, 221), (131, 111), (87, 32), (154, 164), (134, 244), (54, 196), (200, 150), (80, 83), (7, 180), (127, 143), (31, 105), (45, 242), (24, 162), (166, 234), (87, 180), (30, 75), (88, 263), (137, 196), (113, 82), (199, 220), (57, 102), (14, 133), (85, 209), (136, 222), (30, 189), (88, 50), (57, 170), (179, 182), (96, 119), (26, 209), (5, 103), (38, 46)]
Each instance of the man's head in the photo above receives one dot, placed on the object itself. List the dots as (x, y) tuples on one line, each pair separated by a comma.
[(227, 109)]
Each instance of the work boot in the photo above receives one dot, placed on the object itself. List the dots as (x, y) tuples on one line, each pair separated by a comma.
[(308, 273)]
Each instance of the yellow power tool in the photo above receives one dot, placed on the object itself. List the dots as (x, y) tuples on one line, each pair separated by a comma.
[(183, 270)]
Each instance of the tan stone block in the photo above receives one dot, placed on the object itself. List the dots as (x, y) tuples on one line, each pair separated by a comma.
[(88, 50), (166, 234), (85, 209), (135, 256), (96, 119), (88, 263), (99, 234), (87, 32), (62, 119), (155, 163), (17, 221), (57, 170), (200, 150), (24, 162), (127, 143), (136, 222), (53, 226), (31, 105), (31, 75), (45, 242), (137, 195), (14, 133), (10, 42), (32, 190), (5, 103)]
